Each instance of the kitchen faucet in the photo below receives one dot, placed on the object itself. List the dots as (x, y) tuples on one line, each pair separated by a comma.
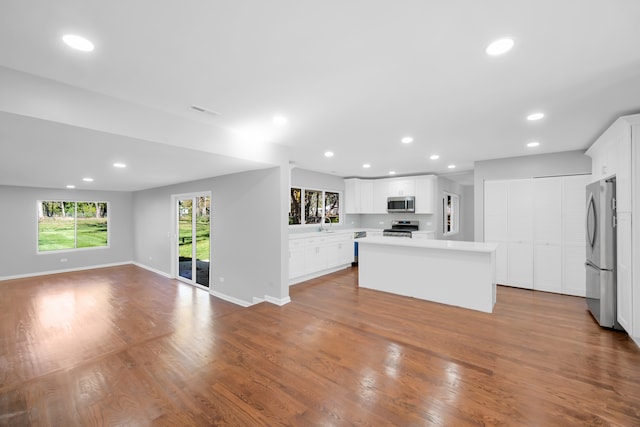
[(322, 223)]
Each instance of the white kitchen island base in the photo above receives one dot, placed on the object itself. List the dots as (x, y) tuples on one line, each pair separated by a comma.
[(455, 273)]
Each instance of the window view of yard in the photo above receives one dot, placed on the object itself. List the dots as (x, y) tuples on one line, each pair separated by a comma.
[(188, 230), (318, 207), (71, 225)]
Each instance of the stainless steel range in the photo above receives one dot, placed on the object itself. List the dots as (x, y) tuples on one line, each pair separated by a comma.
[(401, 228)]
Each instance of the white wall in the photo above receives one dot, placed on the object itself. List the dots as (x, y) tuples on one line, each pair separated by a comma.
[(555, 164), (248, 232), (19, 232)]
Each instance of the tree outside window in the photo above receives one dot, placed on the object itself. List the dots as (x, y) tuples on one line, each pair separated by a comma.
[(318, 206)]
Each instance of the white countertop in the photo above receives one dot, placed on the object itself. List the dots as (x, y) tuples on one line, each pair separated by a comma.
[(316, 233), (430, 244)]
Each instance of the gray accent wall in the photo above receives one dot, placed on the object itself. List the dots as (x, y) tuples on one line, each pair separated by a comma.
[(248, 243), (19, 232), (535, 166)]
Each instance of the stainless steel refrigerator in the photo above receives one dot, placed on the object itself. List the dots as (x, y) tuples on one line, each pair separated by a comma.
[(601, 252)]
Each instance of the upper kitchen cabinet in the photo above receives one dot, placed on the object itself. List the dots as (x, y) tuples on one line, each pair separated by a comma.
[(369, 196), (365, 196), (401, 187), (426, 194), (611, 156)]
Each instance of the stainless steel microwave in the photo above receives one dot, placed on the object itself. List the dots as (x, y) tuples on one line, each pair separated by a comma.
[(401, 204)]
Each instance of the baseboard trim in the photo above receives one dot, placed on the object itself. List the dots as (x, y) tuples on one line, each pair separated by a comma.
[(153, 270), (66, 270), (300, 279), (277, 301), (229, 298)]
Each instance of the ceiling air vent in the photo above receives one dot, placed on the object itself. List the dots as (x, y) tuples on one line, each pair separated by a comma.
[(200, 109)]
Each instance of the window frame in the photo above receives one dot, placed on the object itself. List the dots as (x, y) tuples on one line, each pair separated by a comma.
[(322, 222), (454, 215), (75, 231)]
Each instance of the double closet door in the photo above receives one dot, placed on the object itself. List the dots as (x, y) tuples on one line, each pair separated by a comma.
[(539, 227)]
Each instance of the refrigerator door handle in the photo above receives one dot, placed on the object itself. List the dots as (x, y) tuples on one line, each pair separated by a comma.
[(591, 214)]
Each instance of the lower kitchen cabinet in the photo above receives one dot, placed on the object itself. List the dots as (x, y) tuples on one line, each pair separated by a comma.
[(313, 256)]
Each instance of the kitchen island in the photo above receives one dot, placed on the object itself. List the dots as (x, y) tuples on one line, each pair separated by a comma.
[(444, 271)]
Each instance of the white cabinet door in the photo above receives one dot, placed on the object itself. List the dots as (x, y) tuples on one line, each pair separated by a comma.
[(315, 255), (339, 250), (366, 196), (402, 187), (573, 235), (380, 194), (296, 258), (547, 234), (520, 211), (426, 194), (547, 210), (623, 174), (547, 274), (624, 265), (520, 264), (352, 196)]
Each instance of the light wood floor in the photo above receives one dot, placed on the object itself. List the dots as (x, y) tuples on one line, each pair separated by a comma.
[(123, 346)]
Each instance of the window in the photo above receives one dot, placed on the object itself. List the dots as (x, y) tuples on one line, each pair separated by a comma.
[(319, 206), (72, 225), (450, 214)]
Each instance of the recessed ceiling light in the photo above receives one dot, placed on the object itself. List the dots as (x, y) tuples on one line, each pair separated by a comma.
[(500, 47), (533, 144), (434, 157), (407, 140), (119, 165), (280, 120), (328, 153), (78, 43), (535, 116), (392, 172), (451, 166), (366, 165), (71, 186), (87, 179)]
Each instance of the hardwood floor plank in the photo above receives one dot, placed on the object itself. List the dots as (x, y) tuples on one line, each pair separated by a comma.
[(123, 346)]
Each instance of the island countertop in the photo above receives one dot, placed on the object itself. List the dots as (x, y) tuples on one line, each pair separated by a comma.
[(431, 244)]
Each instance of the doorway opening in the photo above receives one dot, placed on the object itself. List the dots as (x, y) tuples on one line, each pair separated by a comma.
[(193, 243)]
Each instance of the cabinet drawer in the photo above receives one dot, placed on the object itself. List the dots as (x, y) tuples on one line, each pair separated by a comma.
[(296, 243)]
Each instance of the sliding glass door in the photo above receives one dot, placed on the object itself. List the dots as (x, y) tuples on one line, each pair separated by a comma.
[(193, 239)]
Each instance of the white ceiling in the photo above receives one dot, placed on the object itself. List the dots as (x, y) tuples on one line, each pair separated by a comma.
[(352, 76)]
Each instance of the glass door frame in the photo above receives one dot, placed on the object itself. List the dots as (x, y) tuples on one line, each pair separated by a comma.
[(175, 269)]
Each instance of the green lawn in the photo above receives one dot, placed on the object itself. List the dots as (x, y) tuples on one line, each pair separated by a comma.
[(57, 234), (202, 238)]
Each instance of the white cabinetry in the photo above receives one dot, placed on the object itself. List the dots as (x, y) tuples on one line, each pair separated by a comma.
[(426, 194), (520, 233), (508, 222), (538, 226), (296, 257), (314, 256), (369, 196), (402, 187), (616, 153), (547, 234), (380, 191)]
